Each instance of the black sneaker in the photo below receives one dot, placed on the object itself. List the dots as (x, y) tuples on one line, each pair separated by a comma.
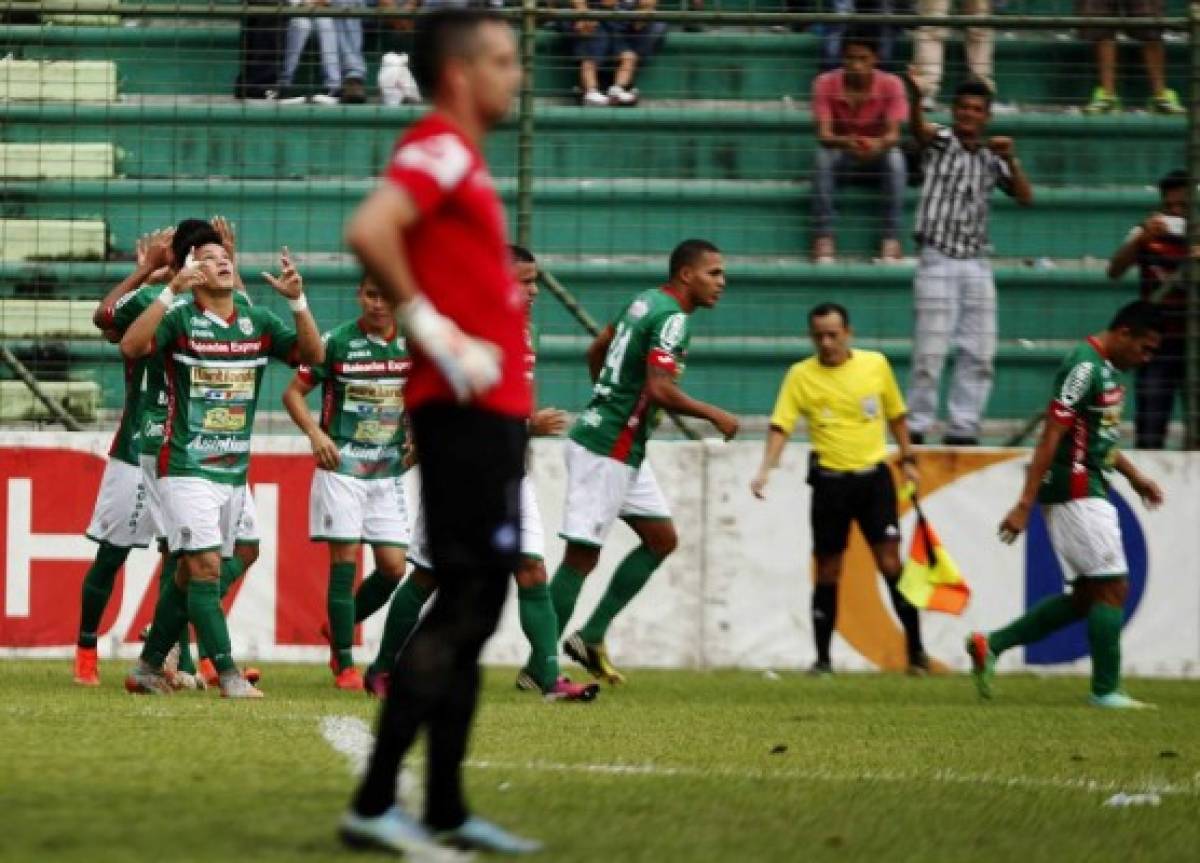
[(353, 92), (959, 440), (821, 669), (918, 665)]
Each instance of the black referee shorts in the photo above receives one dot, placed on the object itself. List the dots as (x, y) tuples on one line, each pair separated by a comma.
[(839, 498)]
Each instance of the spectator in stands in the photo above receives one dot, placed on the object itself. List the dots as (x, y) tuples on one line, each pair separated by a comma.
[(955, 297), (298, 31), (1158, 246), (858, 110), (832, 35), (626, 45), (929, 48), (1104, 98), (341, 45)]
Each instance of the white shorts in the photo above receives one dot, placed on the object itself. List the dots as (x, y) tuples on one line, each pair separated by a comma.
[(348, 509), (122, 515), (533, 537), (1087, 536), (246, 532), (600, 490), (202, 515)]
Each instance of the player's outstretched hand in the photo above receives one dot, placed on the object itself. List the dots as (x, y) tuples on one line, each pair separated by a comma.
[(1014, 524), (325, 450), (727, 424), (154, 253), (1002, 146), (758, 485), (1148, 490), (548, 421), (288, 283), (224, 229)]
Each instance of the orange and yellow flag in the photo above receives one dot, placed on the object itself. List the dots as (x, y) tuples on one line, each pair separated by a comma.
[(931, 579)]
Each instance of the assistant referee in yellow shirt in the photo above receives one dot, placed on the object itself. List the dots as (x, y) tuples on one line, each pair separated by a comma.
[(845, 396)]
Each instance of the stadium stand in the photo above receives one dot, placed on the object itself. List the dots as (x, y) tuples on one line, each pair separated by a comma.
[(721, 147)]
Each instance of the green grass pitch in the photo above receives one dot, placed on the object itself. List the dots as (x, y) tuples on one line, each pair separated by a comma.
[(676, 766)]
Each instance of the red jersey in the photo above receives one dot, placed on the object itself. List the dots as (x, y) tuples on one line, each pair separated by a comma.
[(458, 252)]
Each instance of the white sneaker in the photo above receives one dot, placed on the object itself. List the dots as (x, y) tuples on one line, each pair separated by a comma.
[(326, 99), (183, 680), (621, 96), (594, 98)]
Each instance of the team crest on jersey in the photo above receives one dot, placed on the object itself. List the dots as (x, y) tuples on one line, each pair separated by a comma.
[(246, 326), (357, 343), (638, 309)]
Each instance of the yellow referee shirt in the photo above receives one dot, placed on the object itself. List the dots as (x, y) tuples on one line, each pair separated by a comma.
[(844, 406)]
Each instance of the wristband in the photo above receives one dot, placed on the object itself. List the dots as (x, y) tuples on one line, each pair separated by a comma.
[(167, 297), (299, 304)]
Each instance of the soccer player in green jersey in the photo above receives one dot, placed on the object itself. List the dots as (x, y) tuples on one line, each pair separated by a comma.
[(214, 355), (358, 488), (1069, 478), (122, 518), (536, 611), (153, 410), (636, 363)]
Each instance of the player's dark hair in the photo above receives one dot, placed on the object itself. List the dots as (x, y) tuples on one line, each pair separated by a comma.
[(189, 234), (864, 37), (1177, 179), (1139, 317), (823, 309), (687, 253), (974, 87), (442, 34), (521, 255)]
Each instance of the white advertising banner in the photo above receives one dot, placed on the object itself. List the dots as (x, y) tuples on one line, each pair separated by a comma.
[(735, 593)]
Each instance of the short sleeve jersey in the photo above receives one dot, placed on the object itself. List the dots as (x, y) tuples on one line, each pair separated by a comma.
[(1159, 262), (362, 399), (119, 317), (652, 331), (458, 253), (1089, 393), (213, 373), (845, 408), (153, 413)]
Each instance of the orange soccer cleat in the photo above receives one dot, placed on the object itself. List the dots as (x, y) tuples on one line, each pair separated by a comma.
[(87, 666), (208, 672), (349, 679)]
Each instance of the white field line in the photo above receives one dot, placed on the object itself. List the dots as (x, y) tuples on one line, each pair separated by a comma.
[(351, 737)]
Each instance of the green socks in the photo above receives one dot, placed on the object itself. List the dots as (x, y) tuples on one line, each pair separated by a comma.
[(186, 663), (204, 609), (1104, 637), (1049, 615), (231, 570), (402, 617), (372, 595), (631, 576), (541, 628), (564, 593), (97, 588), (170, 616), (339, 603)]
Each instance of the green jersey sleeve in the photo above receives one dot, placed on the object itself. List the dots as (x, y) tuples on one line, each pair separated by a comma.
[(127, 309), (668, 342), (283, 335)]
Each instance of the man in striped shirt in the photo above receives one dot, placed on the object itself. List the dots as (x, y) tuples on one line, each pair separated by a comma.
[(955, 300)]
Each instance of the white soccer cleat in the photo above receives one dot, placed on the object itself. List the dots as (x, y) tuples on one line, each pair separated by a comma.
[(235, 686), (144, 680), (1118, 701), (395, 830)]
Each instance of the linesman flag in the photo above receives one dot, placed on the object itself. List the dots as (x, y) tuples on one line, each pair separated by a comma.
[(931, 579)]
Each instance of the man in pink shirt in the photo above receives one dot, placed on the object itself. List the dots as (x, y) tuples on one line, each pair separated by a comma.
[(858, 111)]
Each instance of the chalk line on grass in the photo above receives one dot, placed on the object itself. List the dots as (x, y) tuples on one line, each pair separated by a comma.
[(350, 736)]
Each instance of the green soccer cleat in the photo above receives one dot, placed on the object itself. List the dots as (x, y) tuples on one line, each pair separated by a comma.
[(983, 663), (1118, 701), (593, 657), (1103, 102), (1166, 102)]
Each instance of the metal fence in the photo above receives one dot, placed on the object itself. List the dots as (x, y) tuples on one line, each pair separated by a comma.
[(118, 118)]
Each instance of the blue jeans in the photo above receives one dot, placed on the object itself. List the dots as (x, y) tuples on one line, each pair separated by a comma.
[(298, 31), (350, 40), (1157, 383), (831, 44), (833, 165)]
